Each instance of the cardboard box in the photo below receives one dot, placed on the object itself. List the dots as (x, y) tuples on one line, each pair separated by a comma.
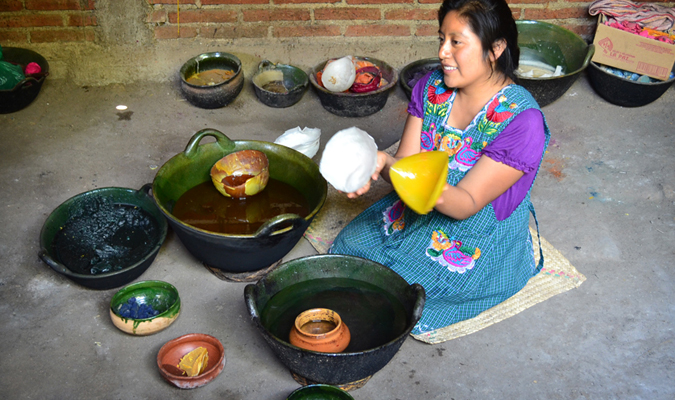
[(632, 52)]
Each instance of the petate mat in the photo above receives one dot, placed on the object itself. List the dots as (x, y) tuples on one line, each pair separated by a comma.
[(557, 276)]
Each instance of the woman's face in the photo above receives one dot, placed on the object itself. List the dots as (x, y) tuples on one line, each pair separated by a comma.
[(461, 53)]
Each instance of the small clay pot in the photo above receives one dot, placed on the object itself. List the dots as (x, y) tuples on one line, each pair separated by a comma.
[(320, 329), (241, 174)]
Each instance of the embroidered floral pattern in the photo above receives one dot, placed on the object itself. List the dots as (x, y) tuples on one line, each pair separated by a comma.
[(428, 138), (498, 111), (438, 93), (466, 156), (451, 253), (393, 218)]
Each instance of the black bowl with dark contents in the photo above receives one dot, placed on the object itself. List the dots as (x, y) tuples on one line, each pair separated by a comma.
[(103, 238)]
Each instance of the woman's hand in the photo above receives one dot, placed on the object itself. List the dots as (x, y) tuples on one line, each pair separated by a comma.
[(382, 159)]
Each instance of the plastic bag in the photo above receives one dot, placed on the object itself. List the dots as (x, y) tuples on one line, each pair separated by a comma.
[(10, 74), (304, 140), (349, 159)]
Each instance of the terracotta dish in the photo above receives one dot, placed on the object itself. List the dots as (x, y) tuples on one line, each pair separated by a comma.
[(170, 354)]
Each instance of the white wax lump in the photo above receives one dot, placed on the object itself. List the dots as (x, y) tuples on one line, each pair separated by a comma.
[(304, 140), (537, 69), (349, 159), (339, 75)]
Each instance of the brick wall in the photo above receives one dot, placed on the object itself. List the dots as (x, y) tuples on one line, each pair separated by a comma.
[(40, 21), (45, 21), (233, 19)]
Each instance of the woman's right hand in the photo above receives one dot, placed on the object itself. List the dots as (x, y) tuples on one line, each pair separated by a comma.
[(382, 159)]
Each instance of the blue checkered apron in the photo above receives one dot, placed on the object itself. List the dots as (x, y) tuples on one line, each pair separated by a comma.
[(465, 266)]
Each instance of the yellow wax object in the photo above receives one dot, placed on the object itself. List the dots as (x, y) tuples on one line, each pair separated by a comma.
[(194, 362), (419, 179)]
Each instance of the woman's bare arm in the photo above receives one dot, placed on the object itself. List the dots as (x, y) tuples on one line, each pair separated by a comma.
[(487, 180)]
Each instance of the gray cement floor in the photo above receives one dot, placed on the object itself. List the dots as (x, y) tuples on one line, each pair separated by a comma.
[(605, 198)]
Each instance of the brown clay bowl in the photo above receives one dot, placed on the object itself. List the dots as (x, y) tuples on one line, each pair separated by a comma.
[(170, 354), (241, 174)]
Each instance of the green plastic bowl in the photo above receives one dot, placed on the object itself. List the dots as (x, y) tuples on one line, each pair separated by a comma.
[(552, 45)]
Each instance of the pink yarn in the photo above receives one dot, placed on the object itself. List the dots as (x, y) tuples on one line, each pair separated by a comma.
[(33, 68)]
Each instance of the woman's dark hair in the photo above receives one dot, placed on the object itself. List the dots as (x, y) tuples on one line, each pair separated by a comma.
[(490, 20)]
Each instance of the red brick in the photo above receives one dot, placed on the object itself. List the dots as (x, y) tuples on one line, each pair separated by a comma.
[(349, 13), (156, 16), (302, 31), (90, 5), (29, 20), (171, 32), (380, 1), (377, 30), (11, 5), (430, 1), (172, 2), (515, 2), (82, 20), (50, 5), (516, 14), (61, 35), (585, 30), (412, 14), (236, 32), (561, 13), (427, 30), (191, 16), (211, 2), (288, 14), (306, 1), (13, 36)]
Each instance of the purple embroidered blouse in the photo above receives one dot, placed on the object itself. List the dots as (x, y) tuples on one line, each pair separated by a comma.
[(519, 145)]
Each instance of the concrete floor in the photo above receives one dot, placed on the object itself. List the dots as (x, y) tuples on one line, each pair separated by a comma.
[(605, 197)]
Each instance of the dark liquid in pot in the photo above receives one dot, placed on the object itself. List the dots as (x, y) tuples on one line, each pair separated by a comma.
[(236, 180), (106, 237), (275, 87), (205, 208), (373, 315), (318, 327), (210, 77)]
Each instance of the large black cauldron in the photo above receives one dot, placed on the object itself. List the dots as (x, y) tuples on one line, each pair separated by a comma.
[(349, 369), (230, 252)]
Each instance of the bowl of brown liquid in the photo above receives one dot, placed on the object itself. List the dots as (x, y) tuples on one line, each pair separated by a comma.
[(211, 80), (279, 85), (238, 235)]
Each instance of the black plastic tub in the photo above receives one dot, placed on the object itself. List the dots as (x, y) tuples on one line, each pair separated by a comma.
[(624, 92), (27, 90)]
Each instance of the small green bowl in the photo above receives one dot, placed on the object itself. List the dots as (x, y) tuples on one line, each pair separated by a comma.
[(319, 391), (162, 296)]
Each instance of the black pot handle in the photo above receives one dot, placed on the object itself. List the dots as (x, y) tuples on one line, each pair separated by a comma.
[(193, 145), (274, 223), (146, 189), (249, 295), (52, 263)]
